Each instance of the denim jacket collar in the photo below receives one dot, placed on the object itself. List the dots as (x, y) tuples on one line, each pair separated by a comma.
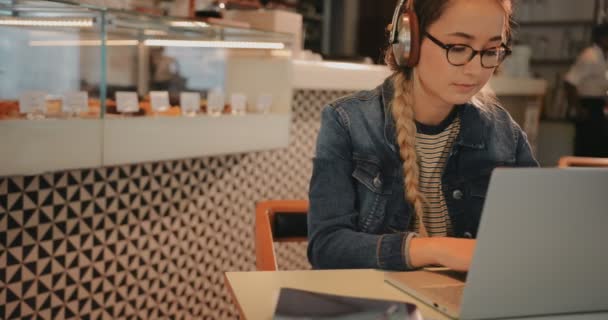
[(473, 126)]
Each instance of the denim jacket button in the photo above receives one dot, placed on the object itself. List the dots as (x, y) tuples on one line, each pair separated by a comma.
[(457, 194), (377, 182)]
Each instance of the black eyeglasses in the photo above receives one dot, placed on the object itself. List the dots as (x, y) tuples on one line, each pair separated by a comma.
[(461, 54)]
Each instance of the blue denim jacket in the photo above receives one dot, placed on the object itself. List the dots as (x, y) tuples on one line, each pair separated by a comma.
[(358, 216)]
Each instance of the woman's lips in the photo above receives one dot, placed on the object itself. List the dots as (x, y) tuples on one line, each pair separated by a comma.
[(464, 86)]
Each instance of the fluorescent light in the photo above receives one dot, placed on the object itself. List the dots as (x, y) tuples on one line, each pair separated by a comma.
[(214, 44), (84, 43), (167, 43), (83, 23), (188, 24)]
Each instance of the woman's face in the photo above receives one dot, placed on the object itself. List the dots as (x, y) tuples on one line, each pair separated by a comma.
[(477, 23)]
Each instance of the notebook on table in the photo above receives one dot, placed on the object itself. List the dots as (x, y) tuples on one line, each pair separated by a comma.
[(295, 304)]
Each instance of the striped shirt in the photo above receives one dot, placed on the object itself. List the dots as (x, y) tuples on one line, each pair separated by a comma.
[(433, 146)]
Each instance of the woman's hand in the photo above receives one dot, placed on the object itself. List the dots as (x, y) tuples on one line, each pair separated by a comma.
[(453, 253)]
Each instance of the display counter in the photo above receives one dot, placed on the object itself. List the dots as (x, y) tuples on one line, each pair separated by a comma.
[(85, 86)]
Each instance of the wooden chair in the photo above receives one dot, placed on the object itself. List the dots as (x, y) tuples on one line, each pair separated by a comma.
[(278, 221), (572, 161)]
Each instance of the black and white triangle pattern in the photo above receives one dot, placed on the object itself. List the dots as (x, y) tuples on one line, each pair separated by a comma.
[(146, 241)]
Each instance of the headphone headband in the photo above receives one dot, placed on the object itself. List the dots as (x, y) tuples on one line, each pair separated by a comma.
[(395, 19)]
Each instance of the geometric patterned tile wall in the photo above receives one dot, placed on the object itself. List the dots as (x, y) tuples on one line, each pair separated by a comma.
[(146, 241)]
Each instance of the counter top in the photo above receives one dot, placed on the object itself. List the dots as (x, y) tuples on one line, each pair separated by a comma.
[(331, 75)]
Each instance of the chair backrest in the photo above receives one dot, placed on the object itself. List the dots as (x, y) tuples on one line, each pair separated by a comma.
[(277, 221), (572, 161)]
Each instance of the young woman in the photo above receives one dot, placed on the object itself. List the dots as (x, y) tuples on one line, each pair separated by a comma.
[(401, 172)]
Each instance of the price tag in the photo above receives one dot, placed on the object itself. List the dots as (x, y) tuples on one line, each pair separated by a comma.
[(215, 102), (32, 101), (75, 102), (239, 103), (127, 101), (264, 103), (190, 101), (159, 100)]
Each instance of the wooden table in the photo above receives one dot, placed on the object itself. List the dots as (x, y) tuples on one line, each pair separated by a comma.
[(256, 293)]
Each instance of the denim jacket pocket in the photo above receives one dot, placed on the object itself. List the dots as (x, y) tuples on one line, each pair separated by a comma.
[(368, 172), (373, 190)]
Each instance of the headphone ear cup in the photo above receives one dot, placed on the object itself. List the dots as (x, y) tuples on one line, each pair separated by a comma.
[(399, 46), (412, 61), (406, 47)]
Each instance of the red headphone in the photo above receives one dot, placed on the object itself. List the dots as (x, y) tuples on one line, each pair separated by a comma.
[(405, 34)]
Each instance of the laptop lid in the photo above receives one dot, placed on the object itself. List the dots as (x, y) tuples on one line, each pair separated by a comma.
[(540, 248)]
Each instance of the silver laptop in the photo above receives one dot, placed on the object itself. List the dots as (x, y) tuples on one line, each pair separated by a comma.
[(541, 250)]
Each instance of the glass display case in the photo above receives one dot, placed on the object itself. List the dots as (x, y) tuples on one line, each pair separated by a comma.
[(87, 86), (170, 64), (40, 71), (63, 60)]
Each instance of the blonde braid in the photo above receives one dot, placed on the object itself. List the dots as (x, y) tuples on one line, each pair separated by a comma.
[(403, 113)]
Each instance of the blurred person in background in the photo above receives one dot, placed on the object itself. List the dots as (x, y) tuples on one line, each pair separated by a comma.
[(586, 86)]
